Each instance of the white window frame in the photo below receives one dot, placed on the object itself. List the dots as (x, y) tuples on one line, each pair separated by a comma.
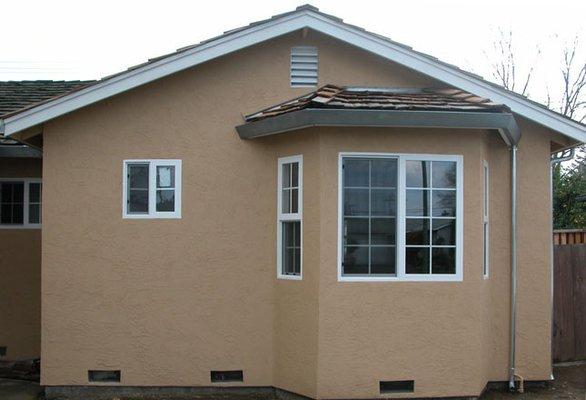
[(26, 203), (152, 214), (485, 220), (400, 234), (285, 217)]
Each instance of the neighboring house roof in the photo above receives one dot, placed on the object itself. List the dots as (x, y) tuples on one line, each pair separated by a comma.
[(338, 106), (303, 17), (16, 96), (353, 98), (19, 95)]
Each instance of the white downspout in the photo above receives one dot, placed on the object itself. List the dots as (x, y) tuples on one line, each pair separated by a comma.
[(513, 266)]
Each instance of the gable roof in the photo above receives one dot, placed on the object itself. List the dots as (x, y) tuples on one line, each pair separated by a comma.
[(18, 95), (303, 17)]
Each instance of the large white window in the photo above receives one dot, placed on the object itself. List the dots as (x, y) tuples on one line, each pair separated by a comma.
[(20, 203), (400, 217), (485, 229), (290, 217), (152, 189)]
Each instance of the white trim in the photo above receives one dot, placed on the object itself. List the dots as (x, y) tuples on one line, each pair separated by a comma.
[(284, 217), (279, 26), (400, 233), (26, 202), (485, 220), (152, 213)]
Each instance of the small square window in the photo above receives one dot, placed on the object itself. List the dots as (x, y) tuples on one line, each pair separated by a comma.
[(152, 189)]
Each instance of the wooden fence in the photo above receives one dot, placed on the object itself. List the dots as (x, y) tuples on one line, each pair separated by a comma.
[(569, 328), (569, 236)]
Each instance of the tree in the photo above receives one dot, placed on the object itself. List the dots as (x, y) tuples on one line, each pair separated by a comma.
[(569, 181), (505, 70)]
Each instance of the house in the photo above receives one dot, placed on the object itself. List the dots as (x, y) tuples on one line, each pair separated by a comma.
[(20, 226), (296, 206)]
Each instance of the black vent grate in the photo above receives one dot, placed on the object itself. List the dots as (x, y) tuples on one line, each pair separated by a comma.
[(397, 387), (103, 375), (227, 376)]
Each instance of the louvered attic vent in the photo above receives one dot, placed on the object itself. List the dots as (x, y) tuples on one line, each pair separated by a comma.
[(303, 66)]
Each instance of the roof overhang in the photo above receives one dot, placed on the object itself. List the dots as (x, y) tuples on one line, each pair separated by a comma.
[(305, 17), (504, 123), (19, 151)]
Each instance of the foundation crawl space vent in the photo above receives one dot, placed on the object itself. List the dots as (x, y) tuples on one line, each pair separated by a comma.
[(103, 375), (396, 387), (227, 376)]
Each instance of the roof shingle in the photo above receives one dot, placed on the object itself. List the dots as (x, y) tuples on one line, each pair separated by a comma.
[(337, 97), (17, 95)]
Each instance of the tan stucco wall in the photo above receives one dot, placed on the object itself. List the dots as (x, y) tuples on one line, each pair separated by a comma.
[(20, 276), (166, 301)]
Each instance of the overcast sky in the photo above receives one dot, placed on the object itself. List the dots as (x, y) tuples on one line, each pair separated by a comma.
[(62, 39)]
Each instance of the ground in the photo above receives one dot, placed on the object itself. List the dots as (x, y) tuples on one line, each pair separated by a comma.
[(570, 384)]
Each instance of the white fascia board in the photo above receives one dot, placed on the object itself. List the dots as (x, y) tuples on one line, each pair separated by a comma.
[(277, 27)]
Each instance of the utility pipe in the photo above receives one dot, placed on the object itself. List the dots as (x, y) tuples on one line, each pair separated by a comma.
[(513, 266)]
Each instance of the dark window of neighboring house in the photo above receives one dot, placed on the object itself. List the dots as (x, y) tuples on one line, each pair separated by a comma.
[(11, 202)]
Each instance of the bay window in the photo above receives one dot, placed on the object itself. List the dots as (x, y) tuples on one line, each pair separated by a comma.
[(400, 217)]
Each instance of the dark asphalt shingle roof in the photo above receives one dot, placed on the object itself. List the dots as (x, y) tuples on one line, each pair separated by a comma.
[(415, 99), (18, 95)]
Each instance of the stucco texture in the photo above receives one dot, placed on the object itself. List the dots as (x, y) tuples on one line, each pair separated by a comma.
[(20, 276), (166, 301)]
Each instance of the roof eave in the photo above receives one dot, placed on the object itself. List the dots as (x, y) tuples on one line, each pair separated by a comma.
[(504, 123)]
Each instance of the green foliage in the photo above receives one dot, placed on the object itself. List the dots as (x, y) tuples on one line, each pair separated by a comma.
[(569, 187)]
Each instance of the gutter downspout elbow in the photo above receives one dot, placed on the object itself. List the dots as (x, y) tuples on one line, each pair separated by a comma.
[(513, 266)]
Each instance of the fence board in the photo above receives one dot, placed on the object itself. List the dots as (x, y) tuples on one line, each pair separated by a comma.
[(579, 260), (569, 335)]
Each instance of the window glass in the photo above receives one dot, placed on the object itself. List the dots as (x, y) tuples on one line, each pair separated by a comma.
[(289, 188), (291, 248), (165, 188), (138, 188), (34, 208), (12, 203), (436, 230), (417, 174), (369, 221)]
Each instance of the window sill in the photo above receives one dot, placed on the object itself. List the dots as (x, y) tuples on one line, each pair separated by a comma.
[(152, 216), (413, 278), (28, 226), (290, 277)]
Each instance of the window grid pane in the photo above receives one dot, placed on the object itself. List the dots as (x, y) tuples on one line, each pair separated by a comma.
[(138, 188), (369, 224), (35, 200), (290, 188), (291, 263), (430, 183)]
